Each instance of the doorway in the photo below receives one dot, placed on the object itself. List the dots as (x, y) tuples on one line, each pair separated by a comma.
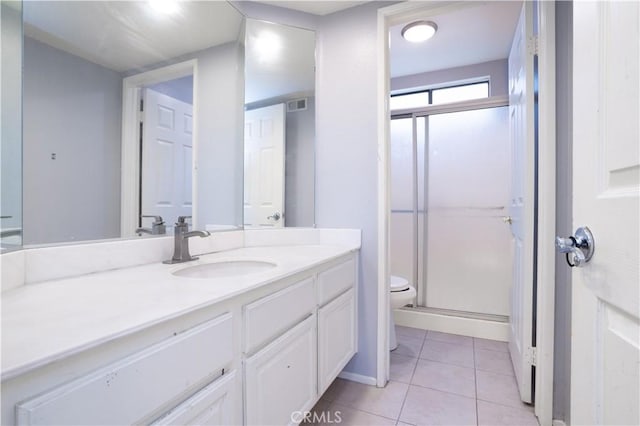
[(542, 45)]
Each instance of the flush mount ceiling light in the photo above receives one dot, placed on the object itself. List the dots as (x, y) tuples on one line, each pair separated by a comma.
[(164, 7), (418, 31)]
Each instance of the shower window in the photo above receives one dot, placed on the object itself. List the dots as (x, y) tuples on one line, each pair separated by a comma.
[(441, 95)]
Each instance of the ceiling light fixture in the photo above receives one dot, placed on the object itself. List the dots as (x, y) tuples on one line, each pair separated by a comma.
[(418, 31), (164, 7)]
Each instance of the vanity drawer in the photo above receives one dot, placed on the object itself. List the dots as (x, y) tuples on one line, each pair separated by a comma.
[(269, 317), (127, 391), (335, 281)]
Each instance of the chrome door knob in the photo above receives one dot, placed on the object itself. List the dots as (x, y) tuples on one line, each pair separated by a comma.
[(276, 216), (579, 249), (507, 219)]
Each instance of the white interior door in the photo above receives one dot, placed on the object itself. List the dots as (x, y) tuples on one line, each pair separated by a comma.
[(521, 121), (605, 355), (264, 142), (167, 154)]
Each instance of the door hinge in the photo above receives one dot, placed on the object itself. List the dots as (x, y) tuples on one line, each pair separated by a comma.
[(141, 105), (532, 45), (531, 355)]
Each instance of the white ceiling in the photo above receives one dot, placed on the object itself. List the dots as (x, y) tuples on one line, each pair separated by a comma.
[(315, 7), (125, 35), (480, 32)]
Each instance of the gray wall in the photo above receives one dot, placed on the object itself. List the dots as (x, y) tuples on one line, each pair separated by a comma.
[(300, 167), (564, 198), (497, 71), (72, 108), (11, 137), (347, 152), (180, 88)]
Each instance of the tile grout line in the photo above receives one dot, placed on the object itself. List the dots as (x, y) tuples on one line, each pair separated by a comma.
[(411, 378)]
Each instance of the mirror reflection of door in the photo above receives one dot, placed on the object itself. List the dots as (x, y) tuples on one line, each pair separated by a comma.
[(167, 151), (264, 151)]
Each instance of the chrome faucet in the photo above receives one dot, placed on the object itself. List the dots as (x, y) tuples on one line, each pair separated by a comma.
[(157, 227), (181, 241)]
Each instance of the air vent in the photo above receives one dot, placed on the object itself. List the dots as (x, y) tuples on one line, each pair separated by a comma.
[(297, 105)]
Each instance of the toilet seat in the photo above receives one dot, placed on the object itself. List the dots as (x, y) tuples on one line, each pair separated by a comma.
[(397, 284)]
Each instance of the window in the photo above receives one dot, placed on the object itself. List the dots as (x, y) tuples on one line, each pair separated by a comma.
[(460, 93), (440, 95)]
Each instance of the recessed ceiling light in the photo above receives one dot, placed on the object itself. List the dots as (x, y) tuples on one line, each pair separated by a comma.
[(165, 7), (418, 31)]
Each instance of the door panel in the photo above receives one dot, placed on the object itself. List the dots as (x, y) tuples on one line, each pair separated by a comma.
[(605, 345), (521, 122), (264, 144), (167, 157)]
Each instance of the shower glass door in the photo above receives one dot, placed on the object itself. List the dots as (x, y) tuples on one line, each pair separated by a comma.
[(456, 247)]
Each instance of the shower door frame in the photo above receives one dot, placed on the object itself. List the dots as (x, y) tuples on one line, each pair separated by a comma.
[(418, 279)]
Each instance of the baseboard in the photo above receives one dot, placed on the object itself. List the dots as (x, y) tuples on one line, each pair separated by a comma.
[(557, 422), (366, 380), (481, 328)]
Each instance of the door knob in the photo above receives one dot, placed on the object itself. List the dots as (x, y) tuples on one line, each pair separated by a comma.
[(579, 249), (275, 216), (507, 219)]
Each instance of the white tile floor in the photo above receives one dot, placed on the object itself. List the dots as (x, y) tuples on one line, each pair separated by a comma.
[(435, 379)]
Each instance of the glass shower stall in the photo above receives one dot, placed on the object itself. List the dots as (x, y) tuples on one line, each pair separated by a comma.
[(450, 193)]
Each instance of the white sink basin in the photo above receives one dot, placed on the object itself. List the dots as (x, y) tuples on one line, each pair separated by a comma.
[(226, 268)]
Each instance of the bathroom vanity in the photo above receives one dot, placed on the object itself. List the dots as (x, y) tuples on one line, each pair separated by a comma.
[(258, 336)]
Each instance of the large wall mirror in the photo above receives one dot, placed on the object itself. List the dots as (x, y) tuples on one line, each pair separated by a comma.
[(279, 177), (11, 125), (131, 110)]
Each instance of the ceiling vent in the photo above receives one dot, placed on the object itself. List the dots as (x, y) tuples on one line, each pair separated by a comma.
[(297, 105)]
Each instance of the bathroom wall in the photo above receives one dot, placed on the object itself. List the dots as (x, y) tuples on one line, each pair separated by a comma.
[(72, 108), (497, 71), (180, 88), (299, 169), (347, 151)]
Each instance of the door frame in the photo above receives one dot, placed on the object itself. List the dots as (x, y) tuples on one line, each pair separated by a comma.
[(545, 46), (130, 152)]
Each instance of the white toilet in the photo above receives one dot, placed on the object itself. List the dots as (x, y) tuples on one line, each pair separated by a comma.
[(401, 295)]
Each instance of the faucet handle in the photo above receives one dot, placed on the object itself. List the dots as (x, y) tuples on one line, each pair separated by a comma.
[(183, 219), (157, 219)]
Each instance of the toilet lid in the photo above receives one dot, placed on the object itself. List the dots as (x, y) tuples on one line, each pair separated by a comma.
[(398, 283)]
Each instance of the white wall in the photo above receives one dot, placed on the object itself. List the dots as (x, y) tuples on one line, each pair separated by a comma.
[(497, 71), (72, 107), (11, 119)]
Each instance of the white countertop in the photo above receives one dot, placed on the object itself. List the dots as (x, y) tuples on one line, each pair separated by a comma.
[(50, 320)]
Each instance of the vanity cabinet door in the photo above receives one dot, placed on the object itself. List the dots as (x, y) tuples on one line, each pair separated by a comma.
[(336, 337), (215, 405), (281, 378)]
